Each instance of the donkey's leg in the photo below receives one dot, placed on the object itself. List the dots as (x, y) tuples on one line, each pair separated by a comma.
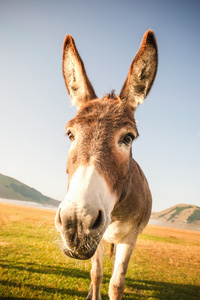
[(123, 255), (96, 273)]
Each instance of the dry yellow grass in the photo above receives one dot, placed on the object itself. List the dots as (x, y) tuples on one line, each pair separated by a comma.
[(176, 233), (10, 213), (165, 263)]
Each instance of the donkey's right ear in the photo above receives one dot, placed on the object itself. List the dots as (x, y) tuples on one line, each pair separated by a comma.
[(76, 80)]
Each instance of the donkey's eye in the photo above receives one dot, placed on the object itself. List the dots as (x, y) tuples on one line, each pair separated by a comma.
[(70, 135), (128, 139)]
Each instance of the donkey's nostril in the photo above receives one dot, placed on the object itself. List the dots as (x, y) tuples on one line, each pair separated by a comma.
[(58, 218), (97, 221)]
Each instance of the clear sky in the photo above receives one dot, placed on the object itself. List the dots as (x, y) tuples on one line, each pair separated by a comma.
[(34, 105)]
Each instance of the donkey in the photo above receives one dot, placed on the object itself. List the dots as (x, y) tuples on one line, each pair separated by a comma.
[(108, 197)]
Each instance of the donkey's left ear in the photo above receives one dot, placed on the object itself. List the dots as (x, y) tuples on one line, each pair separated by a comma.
[(142, 72)]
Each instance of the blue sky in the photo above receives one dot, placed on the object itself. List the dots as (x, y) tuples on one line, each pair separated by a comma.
[(34, 105)]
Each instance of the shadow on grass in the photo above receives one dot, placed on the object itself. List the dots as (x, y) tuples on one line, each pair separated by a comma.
[(14, 298), (160, 290), (140, 290), (49, 270), (135, 289), (62, 291), (45, 269)]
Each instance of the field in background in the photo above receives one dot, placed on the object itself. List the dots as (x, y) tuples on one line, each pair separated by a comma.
[(165, 263)]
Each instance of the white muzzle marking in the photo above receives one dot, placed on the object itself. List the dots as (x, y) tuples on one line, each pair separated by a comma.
[(87, 201), (88, 190)]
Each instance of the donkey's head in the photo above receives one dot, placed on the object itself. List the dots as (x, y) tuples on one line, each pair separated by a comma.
[(101, 136)]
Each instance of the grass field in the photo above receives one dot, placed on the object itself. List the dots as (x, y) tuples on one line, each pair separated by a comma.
[(165, 264)]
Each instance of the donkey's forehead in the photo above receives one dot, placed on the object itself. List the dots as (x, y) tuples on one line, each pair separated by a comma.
[(109, 111)]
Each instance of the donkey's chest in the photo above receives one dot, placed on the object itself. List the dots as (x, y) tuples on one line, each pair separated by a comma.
[(117, 232)]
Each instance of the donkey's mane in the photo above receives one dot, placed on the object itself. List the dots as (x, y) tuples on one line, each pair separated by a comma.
[(111, 95)]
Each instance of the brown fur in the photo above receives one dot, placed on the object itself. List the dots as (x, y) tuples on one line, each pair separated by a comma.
[(72, 74), (98, 132), (97, 123), (142, 72)]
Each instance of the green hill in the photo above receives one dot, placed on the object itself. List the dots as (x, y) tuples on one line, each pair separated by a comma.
[(11, 188), (179, 215)]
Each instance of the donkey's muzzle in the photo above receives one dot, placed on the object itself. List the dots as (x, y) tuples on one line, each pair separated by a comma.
[(81, 232), (81, 252)]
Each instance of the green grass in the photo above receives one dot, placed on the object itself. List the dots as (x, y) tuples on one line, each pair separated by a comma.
[(178, 210), (164, 265), (11, 188), (194, 217)]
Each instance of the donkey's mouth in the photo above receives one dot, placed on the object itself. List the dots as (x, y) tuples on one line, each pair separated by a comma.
[(83, 251), (79, 254)]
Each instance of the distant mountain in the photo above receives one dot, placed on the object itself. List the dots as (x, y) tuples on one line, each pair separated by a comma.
[(182, 215), (11, 188)]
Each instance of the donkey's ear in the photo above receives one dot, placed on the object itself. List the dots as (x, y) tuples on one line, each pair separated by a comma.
[(76, 80), (142, 72)]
